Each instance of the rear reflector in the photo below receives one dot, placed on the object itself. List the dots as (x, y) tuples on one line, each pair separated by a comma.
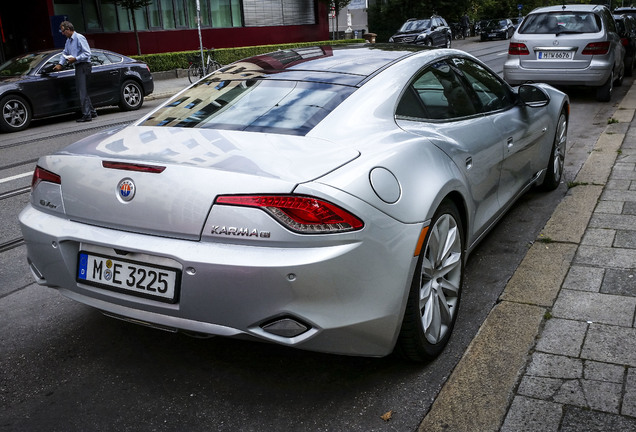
[(301, 214)]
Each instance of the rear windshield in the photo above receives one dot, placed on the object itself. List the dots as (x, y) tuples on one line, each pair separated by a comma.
[(258, 105), (561, 22)]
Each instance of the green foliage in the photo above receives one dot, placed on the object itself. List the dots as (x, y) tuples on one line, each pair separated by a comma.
[(179, 60), (386, 16)]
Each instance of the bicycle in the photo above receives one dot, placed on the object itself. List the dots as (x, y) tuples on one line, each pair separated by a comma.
[(196, 71)]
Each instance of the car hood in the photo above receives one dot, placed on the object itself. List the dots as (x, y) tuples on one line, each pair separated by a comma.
[(10, 79), (199, 165)]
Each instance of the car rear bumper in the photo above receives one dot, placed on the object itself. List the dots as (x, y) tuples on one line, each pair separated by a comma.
[(350, 297), (596, 74)]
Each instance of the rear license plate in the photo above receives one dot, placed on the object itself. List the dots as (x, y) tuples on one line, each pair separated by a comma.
[(554, 55), (150, 281), (492, 35)]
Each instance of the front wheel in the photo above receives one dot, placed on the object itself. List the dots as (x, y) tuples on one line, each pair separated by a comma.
[(131, 96), (195, 72), (554, 171), (16, 114), (431, 309)]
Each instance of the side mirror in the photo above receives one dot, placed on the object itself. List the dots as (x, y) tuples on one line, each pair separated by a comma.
[(47, 69), (533, 96)]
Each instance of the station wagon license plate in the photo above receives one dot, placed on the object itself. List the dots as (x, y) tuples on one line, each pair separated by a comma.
[(131, 277), (555, 55)]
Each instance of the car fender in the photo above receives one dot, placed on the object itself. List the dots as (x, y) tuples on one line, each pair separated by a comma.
[(416, 174)]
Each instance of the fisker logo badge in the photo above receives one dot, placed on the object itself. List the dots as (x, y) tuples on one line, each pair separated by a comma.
[(126, 189)]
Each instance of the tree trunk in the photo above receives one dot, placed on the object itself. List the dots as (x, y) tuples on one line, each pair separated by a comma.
[(132, 12)]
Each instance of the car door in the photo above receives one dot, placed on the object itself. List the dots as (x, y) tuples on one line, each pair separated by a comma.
[(104, 81), (522, 128), (436, 105), (54, 92)]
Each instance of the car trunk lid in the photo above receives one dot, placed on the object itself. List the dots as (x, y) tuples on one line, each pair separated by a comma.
[(164, 181)]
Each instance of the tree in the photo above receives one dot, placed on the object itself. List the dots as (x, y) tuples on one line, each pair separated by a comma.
[(132, 6), (337, 5)]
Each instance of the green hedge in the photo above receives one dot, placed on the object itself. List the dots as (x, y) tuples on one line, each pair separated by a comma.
[(179, 60)]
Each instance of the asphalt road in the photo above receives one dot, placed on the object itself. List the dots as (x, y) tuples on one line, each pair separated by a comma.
[(65, 367)]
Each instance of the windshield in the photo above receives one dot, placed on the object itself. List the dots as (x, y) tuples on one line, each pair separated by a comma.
[(568, 22), (21, 65), (495, 24), (415, 25), (259, 105)]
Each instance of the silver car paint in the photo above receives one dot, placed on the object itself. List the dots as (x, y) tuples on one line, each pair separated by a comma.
[(351, 288)]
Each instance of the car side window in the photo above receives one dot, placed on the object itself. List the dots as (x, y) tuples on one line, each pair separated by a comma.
[(492, 93), (99, 59), (437, 93), (55, 60)]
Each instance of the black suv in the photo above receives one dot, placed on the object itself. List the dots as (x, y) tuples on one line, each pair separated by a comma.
[(433, 31)]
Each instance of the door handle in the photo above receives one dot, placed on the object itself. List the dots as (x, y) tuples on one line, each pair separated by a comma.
[(509, 142)]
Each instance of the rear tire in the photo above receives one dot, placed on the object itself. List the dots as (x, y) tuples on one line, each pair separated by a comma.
[(629, 66), (604, 92), (433, 303)]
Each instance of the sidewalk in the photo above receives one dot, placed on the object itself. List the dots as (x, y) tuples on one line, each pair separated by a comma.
[(558, 352)]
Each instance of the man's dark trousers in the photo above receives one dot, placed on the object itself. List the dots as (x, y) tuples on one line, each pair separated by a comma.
[(82, 72)]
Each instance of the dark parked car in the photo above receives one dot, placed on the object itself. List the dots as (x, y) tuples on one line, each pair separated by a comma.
[(626, 26), (30, 89), (626, 10), (497, 29), (433, 31)]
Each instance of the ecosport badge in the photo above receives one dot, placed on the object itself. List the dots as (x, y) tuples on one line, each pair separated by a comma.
[(126, 190)]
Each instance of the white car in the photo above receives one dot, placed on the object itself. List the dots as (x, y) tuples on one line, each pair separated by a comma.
[(567, 45), (320, 198)]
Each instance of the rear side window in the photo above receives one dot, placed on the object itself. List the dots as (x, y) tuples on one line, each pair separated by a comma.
[(561, 22)]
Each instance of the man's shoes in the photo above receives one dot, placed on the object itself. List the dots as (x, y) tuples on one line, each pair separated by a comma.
[(93, 114), (84, 119)]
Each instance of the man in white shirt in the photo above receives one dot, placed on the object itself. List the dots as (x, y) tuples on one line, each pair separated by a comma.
[(77, 52)]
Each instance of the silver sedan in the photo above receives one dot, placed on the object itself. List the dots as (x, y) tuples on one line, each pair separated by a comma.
[(320, 198)]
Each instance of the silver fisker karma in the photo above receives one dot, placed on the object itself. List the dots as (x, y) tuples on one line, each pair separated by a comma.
[(324, 198)]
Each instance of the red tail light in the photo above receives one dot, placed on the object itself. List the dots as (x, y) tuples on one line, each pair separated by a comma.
[(40, 175), (624, 41), (516, 48), (154, 169), (301, 214), (596, 48)]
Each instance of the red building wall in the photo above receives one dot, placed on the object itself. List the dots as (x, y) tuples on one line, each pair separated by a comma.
[(26, 25)]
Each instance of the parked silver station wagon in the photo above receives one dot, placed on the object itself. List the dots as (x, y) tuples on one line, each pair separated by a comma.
[(322, 198), (574, 45)]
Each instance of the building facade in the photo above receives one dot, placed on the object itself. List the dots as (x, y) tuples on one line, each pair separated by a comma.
[(162, 26)]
